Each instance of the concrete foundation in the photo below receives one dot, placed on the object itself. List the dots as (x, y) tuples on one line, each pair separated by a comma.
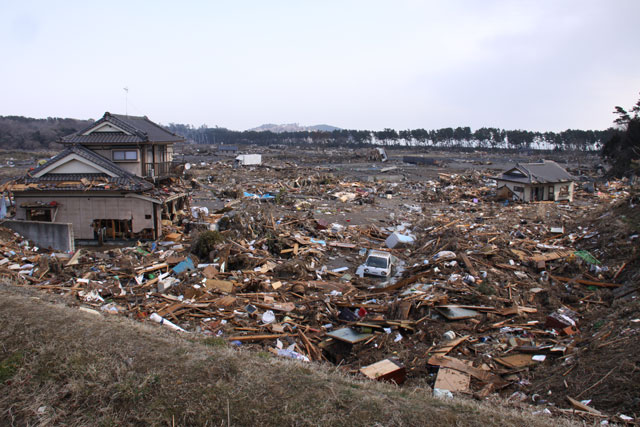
[(58, 236), (81, 209)]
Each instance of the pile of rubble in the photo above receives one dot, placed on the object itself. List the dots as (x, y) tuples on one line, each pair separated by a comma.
[(484, 297)]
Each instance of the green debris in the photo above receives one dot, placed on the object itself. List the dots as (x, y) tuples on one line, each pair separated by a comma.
[(587, 257)]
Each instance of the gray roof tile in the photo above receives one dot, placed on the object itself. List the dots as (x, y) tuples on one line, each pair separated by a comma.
[(141, 129), (122, 180), (543, 172)]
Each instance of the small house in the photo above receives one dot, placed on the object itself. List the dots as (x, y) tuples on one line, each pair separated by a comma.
[(528, 182), (227, 149)]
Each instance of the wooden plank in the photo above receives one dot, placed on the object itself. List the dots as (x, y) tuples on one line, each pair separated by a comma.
[(74, 258), (469, 264), (549, 256), (255, 337), (387, 370), (450, 345), (342, 245), (579, 405), (314, 353), (452, 380), (142, 270), (516, 310), (586, 282), (516, 360), (219, 285), (450, 362), (170, 309), (285, 306), (402, 283)]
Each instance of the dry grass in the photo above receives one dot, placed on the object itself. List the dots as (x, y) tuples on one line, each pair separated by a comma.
[(62, 366)]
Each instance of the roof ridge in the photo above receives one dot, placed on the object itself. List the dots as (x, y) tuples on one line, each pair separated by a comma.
[(138, 129), (96, 158), (159, 126), (121, 123)]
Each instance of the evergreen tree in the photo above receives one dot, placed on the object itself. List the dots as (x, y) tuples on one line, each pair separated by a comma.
[(623, 148)]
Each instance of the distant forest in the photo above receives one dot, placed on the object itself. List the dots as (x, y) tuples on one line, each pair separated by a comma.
[(36, 134), (17, 132), (460, 137)]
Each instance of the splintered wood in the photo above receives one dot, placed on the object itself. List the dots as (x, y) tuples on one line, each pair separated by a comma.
[(487, 294)]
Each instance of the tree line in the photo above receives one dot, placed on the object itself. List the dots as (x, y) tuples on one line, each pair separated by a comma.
[(17, 132), (459, 137), (34, 134)]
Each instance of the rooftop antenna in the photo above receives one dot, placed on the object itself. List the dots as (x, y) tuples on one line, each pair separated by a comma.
[(126, 101)]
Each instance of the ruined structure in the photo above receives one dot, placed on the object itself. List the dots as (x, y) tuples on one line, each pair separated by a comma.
[(527, 182)]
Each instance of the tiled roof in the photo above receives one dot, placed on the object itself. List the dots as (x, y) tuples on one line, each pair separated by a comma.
[(97, 181), (546, 171), (141, 130), (102, 138)]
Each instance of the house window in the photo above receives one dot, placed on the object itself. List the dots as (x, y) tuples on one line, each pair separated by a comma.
[(125, 155), (518, 189), (39, 214)]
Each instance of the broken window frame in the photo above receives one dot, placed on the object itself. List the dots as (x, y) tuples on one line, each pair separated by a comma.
[(112, 229), (40, 213)]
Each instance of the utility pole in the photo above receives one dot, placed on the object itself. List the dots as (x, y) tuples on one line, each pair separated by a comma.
[(126, 101)]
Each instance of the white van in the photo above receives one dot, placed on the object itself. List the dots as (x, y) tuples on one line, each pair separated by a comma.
[(378, 263)]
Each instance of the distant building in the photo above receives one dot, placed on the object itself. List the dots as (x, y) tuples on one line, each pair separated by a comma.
[(105, 182), (248, 160), (545, 180), (227, 149)]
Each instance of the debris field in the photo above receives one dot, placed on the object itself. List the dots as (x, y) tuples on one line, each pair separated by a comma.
[(534, 303)]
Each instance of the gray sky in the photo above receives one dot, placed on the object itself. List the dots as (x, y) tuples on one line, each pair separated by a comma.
[(535, 65)]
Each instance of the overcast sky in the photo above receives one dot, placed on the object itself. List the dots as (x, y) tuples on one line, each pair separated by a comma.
[(535, 65)]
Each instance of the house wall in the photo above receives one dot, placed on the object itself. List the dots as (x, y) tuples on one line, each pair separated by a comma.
[(132, 167), (522, 195), (560, 195), (81, 210), (75, 166), (146, 154), (526, 196)]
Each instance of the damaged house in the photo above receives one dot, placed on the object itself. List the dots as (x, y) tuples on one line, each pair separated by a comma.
[(528, 182), (113, 181)]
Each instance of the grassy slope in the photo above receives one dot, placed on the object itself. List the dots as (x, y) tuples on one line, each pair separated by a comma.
[(62, 366)]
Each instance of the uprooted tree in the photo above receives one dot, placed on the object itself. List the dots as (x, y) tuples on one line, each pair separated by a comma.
[(623, 148)]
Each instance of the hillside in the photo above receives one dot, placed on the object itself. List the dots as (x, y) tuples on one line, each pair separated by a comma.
[(293, 127), (63, 366), (36, 134)]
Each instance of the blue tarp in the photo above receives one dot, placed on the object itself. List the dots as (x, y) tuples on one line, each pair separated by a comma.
[(187, 264), (258, 196), (321, 242)]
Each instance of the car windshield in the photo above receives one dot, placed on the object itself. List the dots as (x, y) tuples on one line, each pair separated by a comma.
[(377, 262)]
